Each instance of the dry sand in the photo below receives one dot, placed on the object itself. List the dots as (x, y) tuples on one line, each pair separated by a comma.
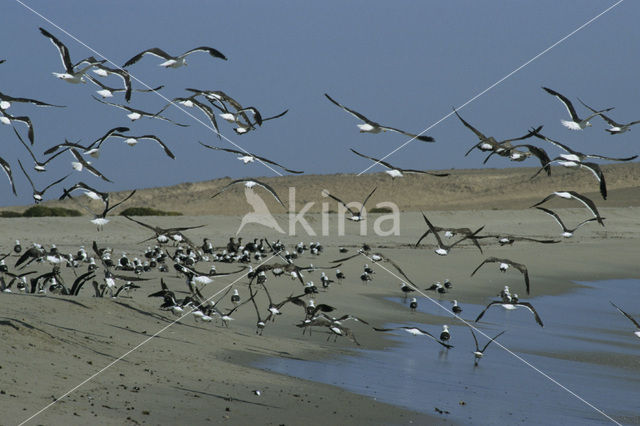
[(194, 373), (484, 189)]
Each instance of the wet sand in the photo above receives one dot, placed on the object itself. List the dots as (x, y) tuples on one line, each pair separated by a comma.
[(194, 373)]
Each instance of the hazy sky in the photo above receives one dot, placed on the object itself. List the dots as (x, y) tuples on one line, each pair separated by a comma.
[(403, 64)]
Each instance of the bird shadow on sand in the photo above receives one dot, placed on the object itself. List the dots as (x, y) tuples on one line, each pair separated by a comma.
[(226, 398)]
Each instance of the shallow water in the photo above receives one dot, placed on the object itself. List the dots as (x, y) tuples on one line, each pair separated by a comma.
[(586, 345)]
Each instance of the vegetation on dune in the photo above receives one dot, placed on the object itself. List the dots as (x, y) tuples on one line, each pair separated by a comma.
[(147, 211), (42, 211), (10, 213), (381, 210)]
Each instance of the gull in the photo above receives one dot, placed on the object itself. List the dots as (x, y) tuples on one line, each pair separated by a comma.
[(443, 249), (566, 232), (573, 155), (39, 166), (637, 332), (250, 183), (456, 309), (245, 127), (488, 143), (576, 122), (415, 331), (88, 150), (479, 353), (174, 61), (37, 195), (506, 239), (510, 305), (81, 163), (166, 231), (373, 127), (133, 140), (247, 157), (6, 100), (191, 102), (70, 75), (90, 192), (218, 98), (7, 119), (515, 154), (592, 167), (104, 71), (356, 216), (107, 92), (395, 172), (504, 265), (6, 167), (135, 114), (572, 194), (616, 128), (100, 220), (451, 232)]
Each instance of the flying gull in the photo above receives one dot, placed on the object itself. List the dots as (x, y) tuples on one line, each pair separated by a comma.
[(71, 75), (616, 128), (174, 61), (510, 305), (572, 194), (576, 122), (566, 232), (488, 143), (247, 157), (6, 167), (93, 148), (395, 172), (573, 155), (415, 331), (135, 114), (7, 119), (105, 71), (191, 102), (81, 164), (443, 249), (107, 92), (479, 353), (373, 127), (637, 332), (592, 167), (133, 140), (6, 100), (250, 183), (504, 265), (356, 216), (37, 194), (39, 166)]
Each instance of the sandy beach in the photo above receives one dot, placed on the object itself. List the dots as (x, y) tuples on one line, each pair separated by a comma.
[(195, 373)]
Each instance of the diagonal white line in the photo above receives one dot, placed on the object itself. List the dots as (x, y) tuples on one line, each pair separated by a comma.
[(496, 83), (213, 129), (145, 341), (518, 357)]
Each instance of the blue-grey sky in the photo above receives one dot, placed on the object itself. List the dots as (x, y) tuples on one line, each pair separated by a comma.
[(403, 64)]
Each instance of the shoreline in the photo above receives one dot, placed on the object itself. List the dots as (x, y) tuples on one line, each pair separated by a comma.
[(187, 373)]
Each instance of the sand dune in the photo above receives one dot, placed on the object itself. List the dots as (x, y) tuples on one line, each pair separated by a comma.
[(487, 189)]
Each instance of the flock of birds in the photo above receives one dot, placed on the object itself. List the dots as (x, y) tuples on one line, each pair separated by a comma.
[(196, 264)]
